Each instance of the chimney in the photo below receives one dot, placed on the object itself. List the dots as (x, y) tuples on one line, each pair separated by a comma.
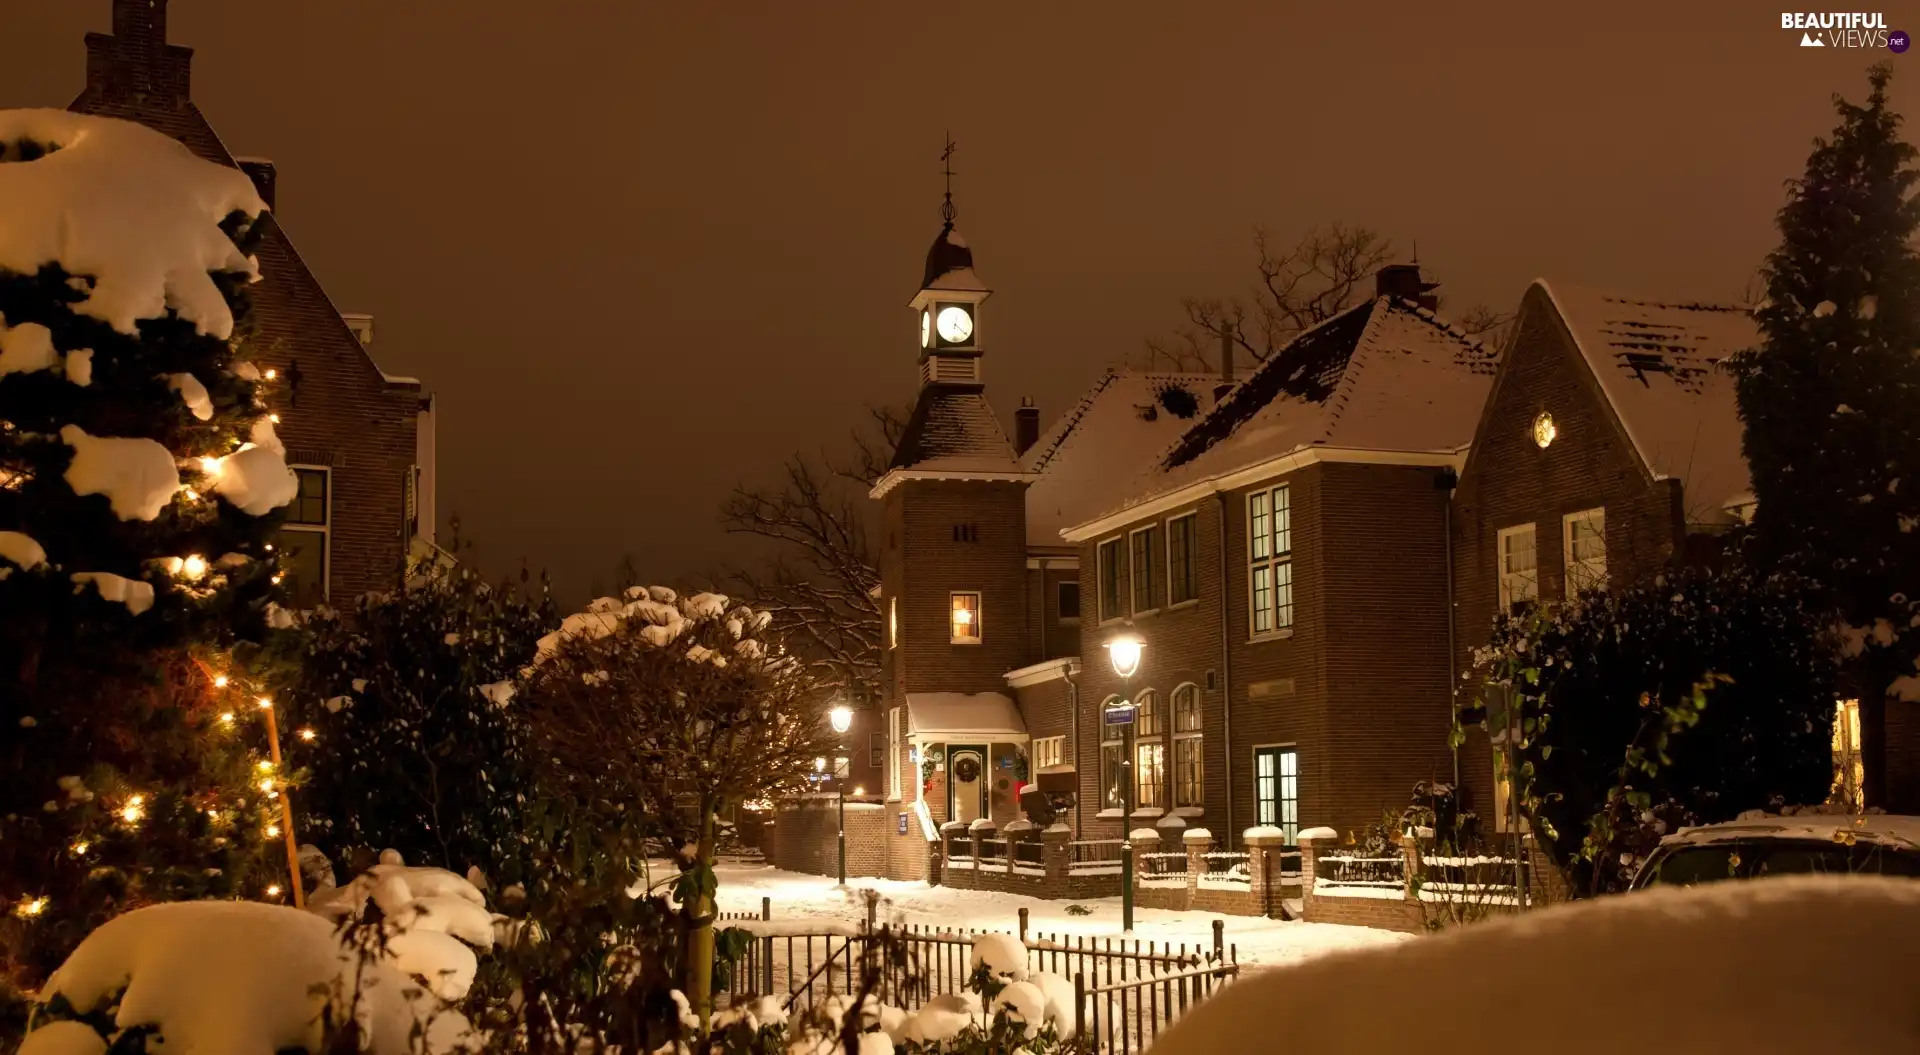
[(1026, 426), (263, 175), (135, 62), (1226, 363), (1403, 282)]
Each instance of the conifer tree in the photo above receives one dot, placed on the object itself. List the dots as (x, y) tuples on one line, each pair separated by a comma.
[(139, 475), (1831, 399)]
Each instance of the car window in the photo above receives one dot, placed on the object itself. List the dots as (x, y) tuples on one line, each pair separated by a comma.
[(1752, 858)]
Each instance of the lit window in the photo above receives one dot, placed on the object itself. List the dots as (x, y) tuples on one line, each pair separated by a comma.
[(1270, 555), (1112, 749), (1109, 572), (1584, 541), (1276, 789), (1182, 547), (302, 541), (1049, 751), (966, 618), (1147, 716), (1144, 572), (1150, 774), (1519, 568), (1544, 430), (893, 751), (1849, 766), (1189, 765), (893, 622)]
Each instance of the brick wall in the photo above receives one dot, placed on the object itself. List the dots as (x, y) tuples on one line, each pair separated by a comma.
[(1052, 636), (922, 564), (804, 836)]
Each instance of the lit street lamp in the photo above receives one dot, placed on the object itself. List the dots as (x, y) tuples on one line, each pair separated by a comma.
[(1124, 650), (841, 717)]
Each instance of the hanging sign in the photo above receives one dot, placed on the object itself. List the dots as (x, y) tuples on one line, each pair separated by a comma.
[(1119, 714)]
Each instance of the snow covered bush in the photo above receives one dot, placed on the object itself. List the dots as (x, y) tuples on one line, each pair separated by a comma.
[(419, 745), (1682, 701), (140, 480)]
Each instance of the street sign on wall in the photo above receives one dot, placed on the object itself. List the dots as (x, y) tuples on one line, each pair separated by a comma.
[(1119, 714)]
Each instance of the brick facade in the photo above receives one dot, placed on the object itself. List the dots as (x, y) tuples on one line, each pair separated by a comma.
[(337, 410), (804, 836)]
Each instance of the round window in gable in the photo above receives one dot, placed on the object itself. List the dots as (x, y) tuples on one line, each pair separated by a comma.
[(1544, 430)]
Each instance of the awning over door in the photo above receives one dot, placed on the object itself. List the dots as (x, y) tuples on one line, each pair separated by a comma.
[(936, 715)]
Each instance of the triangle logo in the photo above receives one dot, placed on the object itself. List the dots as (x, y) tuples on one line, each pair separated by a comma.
[(1808, 40)]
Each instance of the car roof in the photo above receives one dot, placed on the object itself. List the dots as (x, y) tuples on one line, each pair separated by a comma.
[(1883, 828)]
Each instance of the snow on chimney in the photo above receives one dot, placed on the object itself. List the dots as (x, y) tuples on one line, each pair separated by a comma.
[(1026, 426), (1403, 282)]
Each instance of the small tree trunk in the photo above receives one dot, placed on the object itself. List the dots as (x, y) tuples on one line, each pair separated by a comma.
[(700, 936)]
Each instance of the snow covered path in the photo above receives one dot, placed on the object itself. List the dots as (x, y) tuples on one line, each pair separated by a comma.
[(1261, 942)]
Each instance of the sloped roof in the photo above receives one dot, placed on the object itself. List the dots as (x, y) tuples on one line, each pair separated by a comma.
[(1662, 367), (954, 430), (1094, 449), (962, 712)]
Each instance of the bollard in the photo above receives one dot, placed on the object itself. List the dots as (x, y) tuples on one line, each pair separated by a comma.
[(1219, 939), (766, 950), (1023, 924)]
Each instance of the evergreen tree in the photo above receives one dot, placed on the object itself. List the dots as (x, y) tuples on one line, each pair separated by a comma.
[(417, 745), (139, 474), (1831, 398)]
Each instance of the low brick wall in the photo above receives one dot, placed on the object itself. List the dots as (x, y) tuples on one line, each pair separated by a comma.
[(1401, 908), (803, 836)]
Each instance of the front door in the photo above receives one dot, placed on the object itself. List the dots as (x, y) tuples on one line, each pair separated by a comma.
[(1276, 789), (966, 782)]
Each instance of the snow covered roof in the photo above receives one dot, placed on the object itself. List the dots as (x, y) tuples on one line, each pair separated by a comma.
[(987, 713), (1662, 367), (1385, 376), (1096, 448), (953, 431), (950, 263)]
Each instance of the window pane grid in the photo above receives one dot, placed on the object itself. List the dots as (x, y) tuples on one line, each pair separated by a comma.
[(1181, 548), (1110, 580), (1189, 769), (1145, 577), (1519, 574), (1186, 709), (1270, 549), (1147, 717), (1150, 775), (966, 618)]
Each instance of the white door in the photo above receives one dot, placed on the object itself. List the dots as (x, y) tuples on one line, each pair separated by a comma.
[(966, 780)]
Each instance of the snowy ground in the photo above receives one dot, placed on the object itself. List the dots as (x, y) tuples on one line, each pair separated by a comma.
[(1261, 942)]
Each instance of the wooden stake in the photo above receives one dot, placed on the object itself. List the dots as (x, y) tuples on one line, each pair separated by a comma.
[(286, 807)]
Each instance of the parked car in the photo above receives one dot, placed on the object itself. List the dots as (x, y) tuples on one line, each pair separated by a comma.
[(1785, 844)]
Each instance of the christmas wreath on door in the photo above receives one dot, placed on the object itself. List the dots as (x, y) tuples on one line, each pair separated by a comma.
[(966, 769)]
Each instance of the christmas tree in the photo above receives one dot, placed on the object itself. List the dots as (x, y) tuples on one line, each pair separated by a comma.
[(1831, 399), (417, 745), (139, 474)]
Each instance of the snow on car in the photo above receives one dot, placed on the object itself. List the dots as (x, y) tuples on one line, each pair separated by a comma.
[(1765, 844)]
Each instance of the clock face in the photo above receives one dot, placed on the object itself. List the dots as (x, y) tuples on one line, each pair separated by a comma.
[(926, 328), (955, 324)]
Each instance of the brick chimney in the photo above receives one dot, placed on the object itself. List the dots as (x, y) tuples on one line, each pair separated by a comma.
[(1226, 363), (1026, 426), (1403, 282), (264, 177), (135, 60)]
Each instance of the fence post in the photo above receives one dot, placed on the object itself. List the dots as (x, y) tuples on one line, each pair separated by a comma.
[(1219, 939), (766, 950), (1199, 842), (871, 905), (1023, 924), (1080, 1012), (1410, 867), (1263, 849)]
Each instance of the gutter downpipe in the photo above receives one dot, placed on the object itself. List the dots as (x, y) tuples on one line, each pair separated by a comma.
[(1073, 723), (1453, 674), (1226, 669)]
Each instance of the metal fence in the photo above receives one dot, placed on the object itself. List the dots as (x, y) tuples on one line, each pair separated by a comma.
[(1353, 870), (1094, 855), (1127, 991)]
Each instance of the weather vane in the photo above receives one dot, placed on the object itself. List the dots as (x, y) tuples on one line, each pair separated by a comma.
[(947, 211)]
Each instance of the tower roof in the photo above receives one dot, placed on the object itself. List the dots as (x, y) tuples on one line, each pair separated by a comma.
[(950, 263)]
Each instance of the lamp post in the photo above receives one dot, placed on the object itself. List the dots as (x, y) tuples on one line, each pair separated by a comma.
[(1124, 652), (842, 719)]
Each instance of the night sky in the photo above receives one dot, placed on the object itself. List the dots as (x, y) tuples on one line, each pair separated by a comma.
[(643, 251)]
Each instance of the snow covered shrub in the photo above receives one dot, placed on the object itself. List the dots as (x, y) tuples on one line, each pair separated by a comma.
[(419, 745), (140, 482), (1683, 701)]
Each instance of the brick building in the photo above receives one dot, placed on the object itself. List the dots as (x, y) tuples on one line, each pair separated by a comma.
[(361, 441)]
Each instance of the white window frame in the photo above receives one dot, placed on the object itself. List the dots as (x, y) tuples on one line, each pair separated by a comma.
[(893, 752), (1279, 800), (1593, 573), (1111, 739), (1193, 557), (325, 531), (1135, 576), (979, 617), (1264, 554), (1509, 580), (1047, 751), (1182, 736), (1123, 590)]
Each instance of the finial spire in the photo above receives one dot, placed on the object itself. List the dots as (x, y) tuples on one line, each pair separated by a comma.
[(947, 211)]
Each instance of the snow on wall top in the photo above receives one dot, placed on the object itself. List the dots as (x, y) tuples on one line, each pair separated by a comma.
[(953, 429), (1662, 367), (1091, 451), (127, 206), (961, 712)]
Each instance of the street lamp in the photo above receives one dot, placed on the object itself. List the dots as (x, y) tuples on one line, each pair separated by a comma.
[(1124, 651), (841, 718)]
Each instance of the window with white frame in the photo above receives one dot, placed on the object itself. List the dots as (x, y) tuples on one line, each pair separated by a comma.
[(1584, 544), (876, 750), (1183, 546), (1109, 572), (893, 751), (1113, 748), (1048, 751), (1276, 789), (1189, 757), (1519, 566), (966, 617), (1144, 569), (1149, 752), (304, 537), (1270, 560)]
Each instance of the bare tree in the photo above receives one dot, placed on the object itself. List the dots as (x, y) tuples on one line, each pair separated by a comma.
[(1329, 270), (821, 583)]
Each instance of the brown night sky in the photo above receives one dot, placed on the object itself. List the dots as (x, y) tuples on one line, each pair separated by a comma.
[(643, 250)]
